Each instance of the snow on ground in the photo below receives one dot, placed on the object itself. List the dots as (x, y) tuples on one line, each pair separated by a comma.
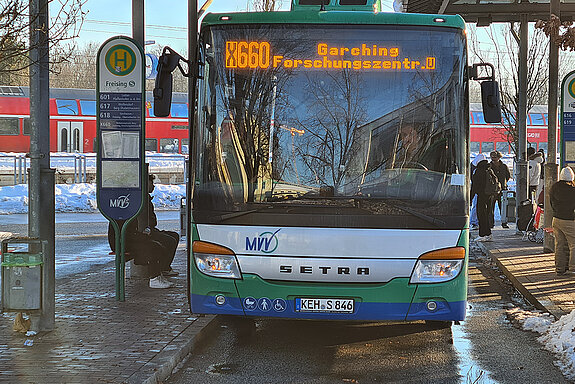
[(82, 198), (557, 337)]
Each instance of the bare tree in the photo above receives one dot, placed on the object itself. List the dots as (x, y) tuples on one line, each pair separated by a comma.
[(339, 109), (78, 70), (504, 54), (14, 36)]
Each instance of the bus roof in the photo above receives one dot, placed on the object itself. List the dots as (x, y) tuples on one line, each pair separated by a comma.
[(334, 17)]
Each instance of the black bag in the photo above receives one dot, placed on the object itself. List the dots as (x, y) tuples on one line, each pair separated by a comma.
[(492, 184), (525, 212)]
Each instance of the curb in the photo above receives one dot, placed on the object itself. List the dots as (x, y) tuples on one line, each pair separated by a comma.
[(550, 307), (162, 365)]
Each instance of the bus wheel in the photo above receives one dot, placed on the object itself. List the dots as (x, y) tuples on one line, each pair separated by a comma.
[(437, 324)]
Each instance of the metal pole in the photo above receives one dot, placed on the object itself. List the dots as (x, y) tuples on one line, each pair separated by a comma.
[(551, 167), (41, 215), (75, 168), (85, 177), (522, 182), (138, 21)]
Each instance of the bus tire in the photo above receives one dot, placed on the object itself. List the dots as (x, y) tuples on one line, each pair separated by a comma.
[(438, 324)]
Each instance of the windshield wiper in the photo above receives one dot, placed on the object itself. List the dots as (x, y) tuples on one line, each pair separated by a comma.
[(432, 220)]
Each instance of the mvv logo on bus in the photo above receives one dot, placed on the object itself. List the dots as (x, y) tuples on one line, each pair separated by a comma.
[(120, 202), (266, 242)]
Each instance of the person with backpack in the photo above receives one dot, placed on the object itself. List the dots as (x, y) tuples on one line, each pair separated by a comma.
[(562, 197), (503, 175), (486, 186)]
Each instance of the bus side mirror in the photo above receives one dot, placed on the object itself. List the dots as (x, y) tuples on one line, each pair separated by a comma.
[(491, 101), (489, 93), (167, 62), (162, 89)]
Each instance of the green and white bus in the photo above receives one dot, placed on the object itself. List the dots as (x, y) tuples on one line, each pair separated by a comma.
[(330, 164)]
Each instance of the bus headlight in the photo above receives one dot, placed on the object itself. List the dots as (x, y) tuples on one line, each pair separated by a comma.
[(214, 260), (438, 266)]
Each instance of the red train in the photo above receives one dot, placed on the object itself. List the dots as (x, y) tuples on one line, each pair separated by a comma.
[(73, 121), (485, 137)]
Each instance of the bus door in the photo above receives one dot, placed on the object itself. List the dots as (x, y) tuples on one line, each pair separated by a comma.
[(70, 136)]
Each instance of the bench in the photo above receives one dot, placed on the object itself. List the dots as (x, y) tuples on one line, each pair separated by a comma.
[(133, 271)]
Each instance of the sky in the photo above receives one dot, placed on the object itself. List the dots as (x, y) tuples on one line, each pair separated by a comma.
[(165, 20)]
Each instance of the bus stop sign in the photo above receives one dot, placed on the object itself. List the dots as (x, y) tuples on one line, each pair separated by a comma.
[(120, 95), (567, 120)]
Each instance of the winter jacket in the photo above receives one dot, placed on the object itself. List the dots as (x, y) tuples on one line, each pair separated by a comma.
[(562, 196), (478, 180), (535, 162), (502, 173)]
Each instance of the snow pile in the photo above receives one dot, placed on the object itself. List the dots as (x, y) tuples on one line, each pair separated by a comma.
[(538, 322), (168, 196), (557, 337), (560, 340), (75, 197), (14, 199), (82, 198)]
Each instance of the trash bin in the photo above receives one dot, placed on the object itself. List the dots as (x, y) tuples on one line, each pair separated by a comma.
[(508, 206), (22, 261)]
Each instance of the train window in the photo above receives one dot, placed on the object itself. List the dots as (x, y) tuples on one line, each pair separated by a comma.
[(88, 107), (67, 107), (487, 146), (169, 146), (536, 119), (544, 146), (503, 147), (185, 145), (179, 110), (151, 145), (76, 141), (478, 118), (474, 147), (9, 126), (26, 126), (179, 127)]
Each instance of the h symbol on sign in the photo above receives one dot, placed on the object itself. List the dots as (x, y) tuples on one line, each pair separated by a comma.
[(119, 60)]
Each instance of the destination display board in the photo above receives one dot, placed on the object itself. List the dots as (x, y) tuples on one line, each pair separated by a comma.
[(121, 127), (364, 56)]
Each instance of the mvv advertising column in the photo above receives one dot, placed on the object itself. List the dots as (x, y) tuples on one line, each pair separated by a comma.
[(120, 139)]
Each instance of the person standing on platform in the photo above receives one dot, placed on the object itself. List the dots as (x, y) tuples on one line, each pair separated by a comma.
[(484, 200), (535, 159), (503, 175), (562, 197), (473, 222)]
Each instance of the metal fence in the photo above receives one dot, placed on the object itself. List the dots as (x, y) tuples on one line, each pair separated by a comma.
[(80, 167)]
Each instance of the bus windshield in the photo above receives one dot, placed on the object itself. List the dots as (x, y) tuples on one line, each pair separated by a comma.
[(358, 121)]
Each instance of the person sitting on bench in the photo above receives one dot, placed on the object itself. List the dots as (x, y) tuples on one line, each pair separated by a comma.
[(168, 239), (149, 246)]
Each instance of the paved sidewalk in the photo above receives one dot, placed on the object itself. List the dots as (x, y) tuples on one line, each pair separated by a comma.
[(100, 340), (531, 271)]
